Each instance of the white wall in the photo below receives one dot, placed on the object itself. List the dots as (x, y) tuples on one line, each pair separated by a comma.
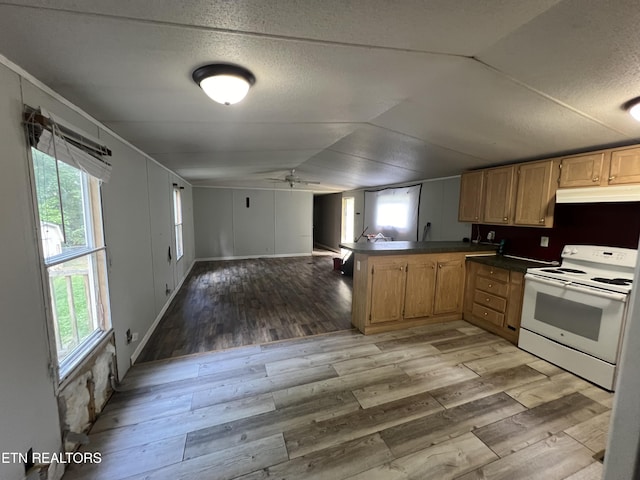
[(29, 412), (213, 217), (125, 202), (277, 222), (28, 401), (622, 461), (294, 222), (439, 201)]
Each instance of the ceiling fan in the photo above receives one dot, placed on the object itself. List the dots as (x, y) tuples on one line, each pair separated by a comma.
[(292, 179)]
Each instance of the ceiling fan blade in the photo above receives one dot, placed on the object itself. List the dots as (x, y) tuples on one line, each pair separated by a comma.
[(309, 182)]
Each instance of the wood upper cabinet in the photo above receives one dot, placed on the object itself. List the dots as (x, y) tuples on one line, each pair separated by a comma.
[(534, 194), (449, 285), (471, 196), (388, 281), (498, 198), (625, 166), (420, 287), (581, 170)]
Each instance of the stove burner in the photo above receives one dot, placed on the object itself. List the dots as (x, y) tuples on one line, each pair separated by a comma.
[(572, 270), (613, 281)]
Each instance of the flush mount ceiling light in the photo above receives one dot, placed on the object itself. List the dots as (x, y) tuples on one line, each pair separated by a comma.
[(633, 107), (635, 111), (224, 83)]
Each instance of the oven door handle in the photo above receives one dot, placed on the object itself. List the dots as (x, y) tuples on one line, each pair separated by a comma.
[(620, 297)]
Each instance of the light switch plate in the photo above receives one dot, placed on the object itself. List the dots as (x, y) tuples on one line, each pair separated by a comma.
[(544, 241)]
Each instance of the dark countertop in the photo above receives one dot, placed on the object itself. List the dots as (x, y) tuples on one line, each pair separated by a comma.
[(401, 247), (506, 262)]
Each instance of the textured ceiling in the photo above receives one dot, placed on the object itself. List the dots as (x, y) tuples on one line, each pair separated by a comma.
[(349, 93)]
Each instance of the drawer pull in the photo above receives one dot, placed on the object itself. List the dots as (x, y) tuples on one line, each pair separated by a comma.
[(486, 313), (488, 299), (595, 179), (490, 286), (612, 178)]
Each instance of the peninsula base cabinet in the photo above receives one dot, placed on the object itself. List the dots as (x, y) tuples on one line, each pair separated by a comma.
[(400, 291), (493, 299)]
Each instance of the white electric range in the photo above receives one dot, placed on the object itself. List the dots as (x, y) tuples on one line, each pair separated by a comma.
[(574, 315)]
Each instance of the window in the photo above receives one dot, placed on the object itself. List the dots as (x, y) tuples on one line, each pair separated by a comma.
[(393, 212), (348, 215), (177, 221), (69, 211)]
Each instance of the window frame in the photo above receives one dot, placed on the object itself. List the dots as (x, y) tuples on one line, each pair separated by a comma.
[(178, 230), (62, 368)]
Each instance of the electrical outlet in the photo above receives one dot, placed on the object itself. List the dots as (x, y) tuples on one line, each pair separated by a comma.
[(134, 337), (544, 241)]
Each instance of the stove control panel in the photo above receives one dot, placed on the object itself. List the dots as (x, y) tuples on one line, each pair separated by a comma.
[(606, 255)]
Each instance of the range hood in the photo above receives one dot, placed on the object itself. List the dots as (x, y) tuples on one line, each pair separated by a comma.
[(617, 193)]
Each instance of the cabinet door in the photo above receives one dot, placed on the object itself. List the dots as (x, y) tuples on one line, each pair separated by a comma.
[(625, 166), (514, 308), (449, 286), (498, 194), (387, 292), (420, 289), (581, 171), (533, 194), (470, 206)]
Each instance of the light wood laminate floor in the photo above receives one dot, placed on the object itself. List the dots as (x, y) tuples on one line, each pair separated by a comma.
[(232, 303), (437, 402)]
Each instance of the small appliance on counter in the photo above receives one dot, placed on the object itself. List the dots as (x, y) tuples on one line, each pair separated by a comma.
[(574, 315)]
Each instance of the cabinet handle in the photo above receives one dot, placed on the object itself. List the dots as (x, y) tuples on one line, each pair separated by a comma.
[(439, 265), (595, 179), (505, 219), (490, 286), (612, 178), (476, 218), (542, 220), (486, 313), (488, 300)]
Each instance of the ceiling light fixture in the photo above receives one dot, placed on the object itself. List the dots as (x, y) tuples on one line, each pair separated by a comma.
[(634, 111), (224, 83)]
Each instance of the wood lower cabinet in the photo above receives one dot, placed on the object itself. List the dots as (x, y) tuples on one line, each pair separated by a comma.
[(448, 288), (388, 288), (400, 291), (420, 287), (493, 299)]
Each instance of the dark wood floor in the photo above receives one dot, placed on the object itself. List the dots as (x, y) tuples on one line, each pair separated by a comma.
[(438, 402), (224, 304)]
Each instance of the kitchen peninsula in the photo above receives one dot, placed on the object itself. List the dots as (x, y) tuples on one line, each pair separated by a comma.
[(405, 284)]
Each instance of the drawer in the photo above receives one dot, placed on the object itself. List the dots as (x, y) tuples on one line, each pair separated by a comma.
[(494, 273), (487, 314), (492, 286), (491, 301)]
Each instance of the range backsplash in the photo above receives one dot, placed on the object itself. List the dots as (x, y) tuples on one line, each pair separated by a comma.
[(610, 224)]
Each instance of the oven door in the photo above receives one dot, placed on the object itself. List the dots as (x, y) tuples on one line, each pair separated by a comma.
[(587, 319)]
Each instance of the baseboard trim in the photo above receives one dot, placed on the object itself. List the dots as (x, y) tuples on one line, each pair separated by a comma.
[(249, 257), (136, 353)]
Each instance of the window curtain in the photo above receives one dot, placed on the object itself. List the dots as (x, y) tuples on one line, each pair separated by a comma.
[(50, 136), (393, 212)]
